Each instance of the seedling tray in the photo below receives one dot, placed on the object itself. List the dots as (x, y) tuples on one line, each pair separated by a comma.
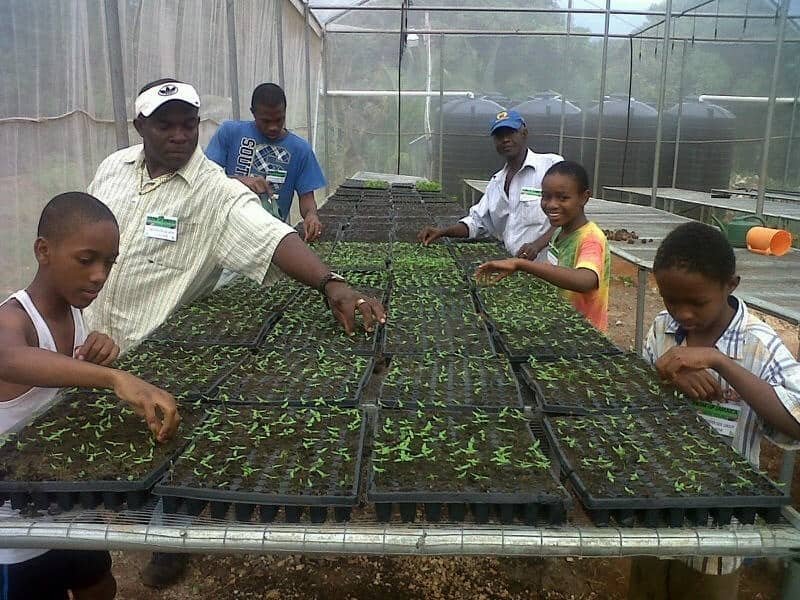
[(308, 335), (410, 301), (238, 314), (293, 378), (439, 459), (355, 254), (445, 381), (182, 369), (87, 450), (602, 384), (660, 468), (352, 234), (408, 256), (412, 280), (575, 339), (466, 336), (296, 458)]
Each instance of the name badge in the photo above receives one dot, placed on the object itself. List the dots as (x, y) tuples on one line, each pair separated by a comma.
[(276, 175), (530, 194), (722, 416), (161, 227)]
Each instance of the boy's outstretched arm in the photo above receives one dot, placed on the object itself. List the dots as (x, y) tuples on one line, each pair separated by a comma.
[(576, 280), (25, 365), (757, 392)]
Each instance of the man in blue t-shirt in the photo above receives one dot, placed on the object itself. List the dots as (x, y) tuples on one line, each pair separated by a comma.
[(269, 159)]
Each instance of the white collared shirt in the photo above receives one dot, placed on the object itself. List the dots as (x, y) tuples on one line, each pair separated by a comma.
[(220, 223), (755, 346), (516, 218)]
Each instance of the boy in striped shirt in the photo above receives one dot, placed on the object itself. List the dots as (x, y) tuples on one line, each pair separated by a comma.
[(709, 345)]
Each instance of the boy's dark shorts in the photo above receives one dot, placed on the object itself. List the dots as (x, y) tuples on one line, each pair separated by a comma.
[(49, 576)]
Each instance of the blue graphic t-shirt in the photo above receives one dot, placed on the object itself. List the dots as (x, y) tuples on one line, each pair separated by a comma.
[(288, 163)]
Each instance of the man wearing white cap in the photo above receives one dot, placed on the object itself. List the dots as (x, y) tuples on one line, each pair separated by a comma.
[(511, 208), (181, 221)]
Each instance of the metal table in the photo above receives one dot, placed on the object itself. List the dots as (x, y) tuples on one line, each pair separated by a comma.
[(135, 530), (782, 213)]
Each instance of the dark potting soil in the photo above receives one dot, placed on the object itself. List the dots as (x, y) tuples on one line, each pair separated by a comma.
[(366, 235), (354, 254), (651, 457), (459, 452), (603, 383), (180, 368), (419, 278), (307, 378), (322, 331), (90, 436), (422, 302), (466, 336), (433, 380), (236, 314), (278, 451)]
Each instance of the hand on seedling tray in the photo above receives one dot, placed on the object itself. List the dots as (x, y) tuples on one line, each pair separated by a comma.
[(345, 302), (98, 349), (687, 368), (428, 235), (495, 270), (148, 401)]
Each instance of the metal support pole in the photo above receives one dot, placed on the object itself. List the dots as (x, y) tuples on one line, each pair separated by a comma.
[(308, 73), (233, 62), (787, 162), (441, 107), (773, 88), (662, 94), (564, 67), (680, 115), (279, 38), (115, 65), (641, 294), (328, 120), (601, 107)]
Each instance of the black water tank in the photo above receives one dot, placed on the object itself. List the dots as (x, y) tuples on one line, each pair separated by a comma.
[(468, 151), (542, 113), (705, 147), (629, 164)]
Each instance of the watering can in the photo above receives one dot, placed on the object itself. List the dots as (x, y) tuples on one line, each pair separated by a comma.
[(736, 230)]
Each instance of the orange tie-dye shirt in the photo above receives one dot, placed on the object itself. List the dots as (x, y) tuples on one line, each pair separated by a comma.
[(586, 248)]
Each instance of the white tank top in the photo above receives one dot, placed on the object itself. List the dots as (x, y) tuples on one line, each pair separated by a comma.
[(17, 410)]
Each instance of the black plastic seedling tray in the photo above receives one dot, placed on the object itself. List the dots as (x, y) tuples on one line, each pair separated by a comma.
[(352, 234), (553, 342), (238, 314), (467, 336), (604, 384), (290, 377), (266, 495), (69, 416), (446, 381), (655, 497), (545, 502), (183, 369)]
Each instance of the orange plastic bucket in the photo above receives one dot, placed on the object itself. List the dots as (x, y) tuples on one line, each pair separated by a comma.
[(763, 240)]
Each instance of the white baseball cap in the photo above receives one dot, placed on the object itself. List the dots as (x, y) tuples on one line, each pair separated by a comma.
[(149, 100)]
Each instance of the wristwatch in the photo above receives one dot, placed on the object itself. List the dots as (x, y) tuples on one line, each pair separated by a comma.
[(330, 276)]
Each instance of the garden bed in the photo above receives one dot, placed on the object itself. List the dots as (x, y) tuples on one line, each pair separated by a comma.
[(238, 314), (266, 458), (86, 450), (298, 378), (660, 468), (181, 369), (601, 384), (449, 460), (446, 381)]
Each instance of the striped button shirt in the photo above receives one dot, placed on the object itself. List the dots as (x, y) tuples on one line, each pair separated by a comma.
[(220, 224), (756, 347)]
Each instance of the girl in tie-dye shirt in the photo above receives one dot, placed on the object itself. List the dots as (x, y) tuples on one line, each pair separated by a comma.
[(579, 261)]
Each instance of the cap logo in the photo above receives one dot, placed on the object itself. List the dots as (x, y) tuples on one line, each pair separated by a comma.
[(168, 90), (501, 115)]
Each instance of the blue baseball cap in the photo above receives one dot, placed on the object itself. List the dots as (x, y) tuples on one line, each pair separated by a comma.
[(507, 118)]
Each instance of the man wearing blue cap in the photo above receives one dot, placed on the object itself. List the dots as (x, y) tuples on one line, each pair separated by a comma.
[(510, 209)]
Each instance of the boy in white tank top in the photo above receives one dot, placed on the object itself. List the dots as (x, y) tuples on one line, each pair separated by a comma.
[(43, 347)]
